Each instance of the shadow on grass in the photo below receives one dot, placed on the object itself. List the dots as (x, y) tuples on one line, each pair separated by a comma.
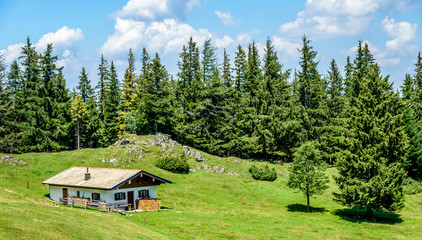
[(302, 208), (359, 216), (47, 195)]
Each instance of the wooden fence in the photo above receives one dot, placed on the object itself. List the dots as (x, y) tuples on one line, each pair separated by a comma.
[(102, 206)]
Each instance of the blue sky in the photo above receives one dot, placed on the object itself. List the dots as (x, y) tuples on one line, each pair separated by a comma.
[(83, 30)]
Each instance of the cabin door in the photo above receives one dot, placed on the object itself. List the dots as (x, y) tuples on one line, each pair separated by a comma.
[(65, 193), (130, 199)]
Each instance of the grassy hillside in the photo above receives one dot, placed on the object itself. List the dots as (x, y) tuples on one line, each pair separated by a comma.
[(209, 205)]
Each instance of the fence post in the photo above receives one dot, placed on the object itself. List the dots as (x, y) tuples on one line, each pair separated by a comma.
[(5, 176), (145, 219), (169, 230), (174, 206), (27, 184)]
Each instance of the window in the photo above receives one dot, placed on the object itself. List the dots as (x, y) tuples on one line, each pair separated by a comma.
[(95, 196), (119, 196), (78, 194), (144, 194)]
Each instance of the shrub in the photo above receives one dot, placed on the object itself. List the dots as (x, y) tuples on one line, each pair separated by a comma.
[(176, 164), (263, 174)]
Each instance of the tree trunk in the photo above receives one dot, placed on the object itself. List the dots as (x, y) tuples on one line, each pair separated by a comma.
[(79, 137), (307, 201), (369, 212)]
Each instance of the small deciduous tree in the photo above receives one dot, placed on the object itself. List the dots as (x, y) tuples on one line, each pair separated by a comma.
[(307, 172), (79, 114)]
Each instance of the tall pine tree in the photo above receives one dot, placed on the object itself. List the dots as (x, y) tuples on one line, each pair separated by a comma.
[(371, 171)]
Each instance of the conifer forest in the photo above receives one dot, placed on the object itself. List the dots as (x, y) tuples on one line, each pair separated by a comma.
[(245, 105)]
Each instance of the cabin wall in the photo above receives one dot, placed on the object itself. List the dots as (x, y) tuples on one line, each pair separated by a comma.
[(86, 193), (110, 194), (56, 192)]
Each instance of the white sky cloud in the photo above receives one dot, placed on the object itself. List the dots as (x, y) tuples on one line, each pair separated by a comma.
[(402, 44), (403, 34), (66, 53), (322, 19), (285, 46), (12, 52), (167, 36), (153, 10), (223, 42), (61, 38), (227, 18)]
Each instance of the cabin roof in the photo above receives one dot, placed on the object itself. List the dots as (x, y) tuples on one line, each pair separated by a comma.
[(100, 178)]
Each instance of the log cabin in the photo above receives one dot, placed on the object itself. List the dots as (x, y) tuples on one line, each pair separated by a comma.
[(135, 188)]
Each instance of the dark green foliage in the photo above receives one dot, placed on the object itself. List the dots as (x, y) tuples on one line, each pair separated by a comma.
[(104, 75), (371, 172), (263, 174), (8, 129), (156, 111), (307, 172), (362, 63), (414, 152), (332, 139), (189, 94), (89, 126), (84, 86), (208, 61), (14, 80), (42, 107), (111, 108), (176, 164), (311, 94), (411, 92)]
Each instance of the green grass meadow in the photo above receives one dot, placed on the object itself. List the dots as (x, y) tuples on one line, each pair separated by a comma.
[(209, 205)]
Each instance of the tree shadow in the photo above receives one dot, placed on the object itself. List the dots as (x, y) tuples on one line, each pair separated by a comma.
[(302, 208), (47, 195), (359, 216)]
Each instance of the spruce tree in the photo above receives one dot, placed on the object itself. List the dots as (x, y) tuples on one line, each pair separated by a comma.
[(333, 137), (90, 124), (14, 81), (30, 114), (411, 92), (156, 99), (103, 74), (371, 170), (111, 109), (417, 102), (233, 144), (8, 129), (55, 102), (275, 139), (413, 130), (208, 61), (144, 76), (363, 61), (189, 94), (84, 86), (248, 118), (311, 94), (225, 133)]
